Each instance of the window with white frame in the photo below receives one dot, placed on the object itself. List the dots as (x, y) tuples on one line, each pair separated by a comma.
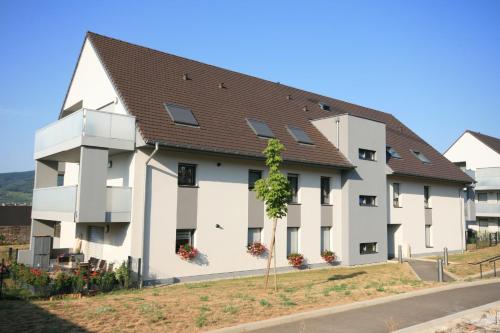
[(368, 248), (325, 238), (428, 241), (325, 190), (367, 200), (396, 195), (293, 179), (254, 235), (292, 240), (366, 154), (183, 237)]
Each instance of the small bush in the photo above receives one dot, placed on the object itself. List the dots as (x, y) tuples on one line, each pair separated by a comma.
[(264, 303), (203, 298), (230, 309)]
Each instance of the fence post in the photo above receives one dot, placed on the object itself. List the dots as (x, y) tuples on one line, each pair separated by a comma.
[(139, 272), (129, 270), (17, 254), (481, 270), (1, 277), (440, 269), (446, 256), (400, 254), (495, 268), (10, 253)]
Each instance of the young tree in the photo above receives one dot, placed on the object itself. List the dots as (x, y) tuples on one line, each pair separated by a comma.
[(275, 191)]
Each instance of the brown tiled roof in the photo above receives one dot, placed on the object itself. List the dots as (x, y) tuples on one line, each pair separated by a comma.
[(490, 141), (145, 79)]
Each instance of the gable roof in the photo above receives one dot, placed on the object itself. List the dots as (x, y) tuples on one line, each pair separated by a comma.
[(221, 100), (490, 141)]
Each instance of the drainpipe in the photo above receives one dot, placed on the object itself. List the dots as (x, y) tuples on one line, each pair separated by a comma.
[(462, 219), (144, 217), (338, 134)]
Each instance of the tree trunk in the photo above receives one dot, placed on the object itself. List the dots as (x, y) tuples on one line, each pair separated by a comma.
[(271, 250)]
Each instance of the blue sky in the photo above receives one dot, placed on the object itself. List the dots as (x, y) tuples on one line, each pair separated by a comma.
[(433, 64)]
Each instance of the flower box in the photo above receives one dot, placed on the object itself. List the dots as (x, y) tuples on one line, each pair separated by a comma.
[(256, 249), (328, 256), (295, 259), (187, 252)]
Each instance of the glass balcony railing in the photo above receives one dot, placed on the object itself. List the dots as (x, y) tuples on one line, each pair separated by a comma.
[(487, 209), (61, 203), (86, 127), (488, 179)]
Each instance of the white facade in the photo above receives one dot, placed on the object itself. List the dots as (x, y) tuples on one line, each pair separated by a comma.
[(133, 205)]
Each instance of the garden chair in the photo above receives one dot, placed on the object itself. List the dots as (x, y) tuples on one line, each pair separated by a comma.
[(102, 266), (93, 263)]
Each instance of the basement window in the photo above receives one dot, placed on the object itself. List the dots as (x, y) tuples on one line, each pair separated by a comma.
[(260, 128), (420, 156), (368, 248), (299, 135), (181, 115)]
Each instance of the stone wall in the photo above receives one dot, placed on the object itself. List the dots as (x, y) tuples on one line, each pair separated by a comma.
[(19, 234)]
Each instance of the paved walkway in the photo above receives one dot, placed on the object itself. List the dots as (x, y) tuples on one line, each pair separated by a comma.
[(397, 314), (427, 270)]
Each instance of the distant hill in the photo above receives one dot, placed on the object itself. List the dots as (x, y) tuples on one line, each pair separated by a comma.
[(16, 187)]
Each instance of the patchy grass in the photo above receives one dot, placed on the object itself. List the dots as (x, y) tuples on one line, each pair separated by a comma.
[(460, 263), (208, 305)]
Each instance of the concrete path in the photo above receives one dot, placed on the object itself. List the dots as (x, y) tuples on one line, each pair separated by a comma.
[(398, 314), (427, 270)]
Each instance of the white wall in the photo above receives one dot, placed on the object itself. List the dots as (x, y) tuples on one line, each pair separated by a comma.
[(223, 199), (475, 153), (447, 215), (91, 84)]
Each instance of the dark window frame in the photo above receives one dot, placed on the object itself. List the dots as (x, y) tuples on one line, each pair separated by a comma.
[(392, 153), (372, 245), (396, 200), (374, 201), (180, 180), (251, 182), (421, 157), (180, 241), (367, 154), (427, 196), (325, 195)]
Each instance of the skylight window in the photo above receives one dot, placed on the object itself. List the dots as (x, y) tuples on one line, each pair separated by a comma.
[(392, 153), (181, 115), (299, 135), (260, 128), (420, 156), (324, 106)]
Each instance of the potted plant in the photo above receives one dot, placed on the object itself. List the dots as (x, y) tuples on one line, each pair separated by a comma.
[(187, 252), (295, 259), (256, 249), (328, 256)]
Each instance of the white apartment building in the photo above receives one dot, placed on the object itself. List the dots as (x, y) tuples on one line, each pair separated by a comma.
[(152, 151), (479, 156)]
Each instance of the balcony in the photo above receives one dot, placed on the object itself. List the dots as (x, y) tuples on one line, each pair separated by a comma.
[(487, 209), (85, 127), (61, 204), (487, 179)]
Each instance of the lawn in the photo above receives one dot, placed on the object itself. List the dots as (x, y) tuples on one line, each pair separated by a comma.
[(208, 305), (459, 263), (4, 250)]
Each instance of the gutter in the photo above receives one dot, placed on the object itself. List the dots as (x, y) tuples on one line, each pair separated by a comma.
[(144, 215)]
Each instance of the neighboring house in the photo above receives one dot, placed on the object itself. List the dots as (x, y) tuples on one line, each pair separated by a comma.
[(479, 156), (363, 183), (15, 224)]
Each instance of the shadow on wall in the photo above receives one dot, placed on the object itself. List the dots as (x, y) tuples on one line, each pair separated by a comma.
[(23, 316)]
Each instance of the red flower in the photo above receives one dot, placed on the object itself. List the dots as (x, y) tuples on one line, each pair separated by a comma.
[(187, 252), (256, 249), (328, 256), (295, 259)]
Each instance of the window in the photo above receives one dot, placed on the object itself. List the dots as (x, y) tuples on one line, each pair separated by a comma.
[(324, 106), (367, 200), (254, 235), (325, 238), (482, 196), (260, 128), (253, 176), (395, 195), (428, 236), (186, 175), (183, 237), (366, 154), (392, 153), (420, 156), (181, 115), (292, 240), (57, 229), (498, 196), (299, 135), (325, 190), (293, 179), (427, 196), (60, 179), (368, 248)]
